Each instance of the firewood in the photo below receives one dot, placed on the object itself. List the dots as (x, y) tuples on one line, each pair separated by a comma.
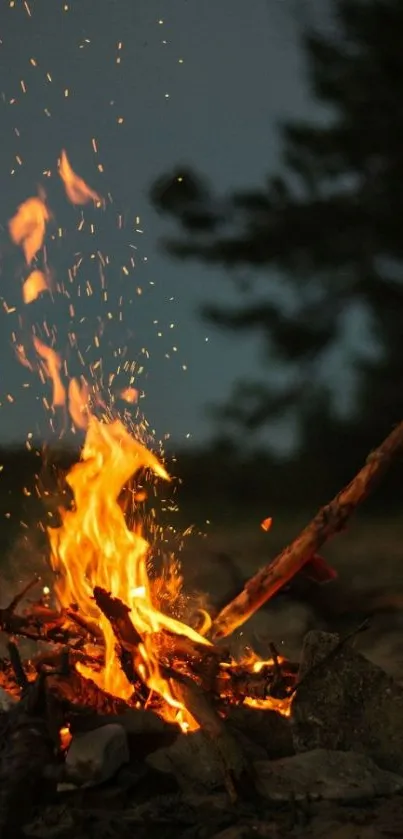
[(39, 623), (235, 768), (331, 519), (118, 615), (235, 684), (215, 674), (127, 637), (76, 694), (22, 594)]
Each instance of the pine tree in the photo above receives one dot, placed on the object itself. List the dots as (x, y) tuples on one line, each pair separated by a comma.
[(332, 226)]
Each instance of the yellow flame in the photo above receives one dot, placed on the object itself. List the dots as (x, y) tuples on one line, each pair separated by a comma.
[(94, 547)]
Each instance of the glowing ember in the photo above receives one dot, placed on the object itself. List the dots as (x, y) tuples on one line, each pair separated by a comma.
[(64, 738), (282, 706), (129, 394)]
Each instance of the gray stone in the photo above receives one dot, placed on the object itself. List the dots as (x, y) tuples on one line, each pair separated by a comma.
[(346, 702), (96, 756), (7, 701), (143, 721), (145, 730), (325, 774), (267, 729), (266, 830), (191, 760), (250, 748), (135, 721), (354, 831)]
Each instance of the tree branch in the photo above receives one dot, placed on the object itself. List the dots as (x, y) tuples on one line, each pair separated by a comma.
[(330, 520)]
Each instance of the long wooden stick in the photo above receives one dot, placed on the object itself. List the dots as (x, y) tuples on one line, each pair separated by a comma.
[(329, 520)]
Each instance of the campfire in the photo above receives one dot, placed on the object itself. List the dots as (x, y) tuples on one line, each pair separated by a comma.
[(114, 638)]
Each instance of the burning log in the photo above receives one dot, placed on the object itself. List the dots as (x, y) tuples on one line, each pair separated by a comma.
[(41, 623), (331, 519), (208, 667), (78, 695), (185, 651), (229, 753)]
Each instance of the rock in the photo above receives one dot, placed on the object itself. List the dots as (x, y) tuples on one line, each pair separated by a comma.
[(252, 750), (6, 700), (353, 831), (144, 721), (96, 756), (133, 720), (325, 774), (191, 760), (267, 729), (266, 830), (347, 703), (145, 730)]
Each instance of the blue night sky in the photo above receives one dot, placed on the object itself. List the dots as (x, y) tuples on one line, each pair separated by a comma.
[(199, 84)]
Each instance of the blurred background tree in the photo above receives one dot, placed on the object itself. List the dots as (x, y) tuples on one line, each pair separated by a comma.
[(329, 225)]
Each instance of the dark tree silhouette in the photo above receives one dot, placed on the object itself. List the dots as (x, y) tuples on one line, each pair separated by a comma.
[(331, 227)]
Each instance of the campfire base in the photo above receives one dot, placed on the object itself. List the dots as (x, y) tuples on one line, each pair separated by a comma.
[(163, 782)]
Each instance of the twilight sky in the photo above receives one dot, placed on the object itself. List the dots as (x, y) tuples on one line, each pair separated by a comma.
[(197, 83)]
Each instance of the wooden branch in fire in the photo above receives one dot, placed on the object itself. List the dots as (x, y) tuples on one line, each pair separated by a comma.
[(208, 666), (331, 519), (40, 623)]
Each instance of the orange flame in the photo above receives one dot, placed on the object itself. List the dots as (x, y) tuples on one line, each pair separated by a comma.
[(282, 706), (266, 523), (65, 738), (34, 285), (27, 228), (78, 192), (51, 366), (78, 403), (94, 547)]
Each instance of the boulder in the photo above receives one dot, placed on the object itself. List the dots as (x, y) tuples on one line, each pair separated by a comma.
[(267, 729), (324, 774), (345, 702), (96, 756), (191, 760)]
